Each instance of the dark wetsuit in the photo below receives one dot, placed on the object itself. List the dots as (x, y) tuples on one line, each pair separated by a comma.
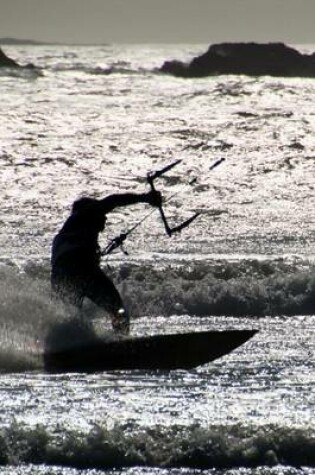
[(75, 259)]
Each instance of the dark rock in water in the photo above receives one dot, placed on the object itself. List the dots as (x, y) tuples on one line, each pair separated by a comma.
[(252, 59), (6, 62)]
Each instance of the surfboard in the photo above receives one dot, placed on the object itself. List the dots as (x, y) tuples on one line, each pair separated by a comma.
[(158, 352)]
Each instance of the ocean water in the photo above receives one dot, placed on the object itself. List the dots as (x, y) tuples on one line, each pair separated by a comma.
[(96, 120)]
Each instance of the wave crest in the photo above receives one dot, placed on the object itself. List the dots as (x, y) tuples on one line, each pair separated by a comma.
[(250, 288), (177, 446), (243, 288)]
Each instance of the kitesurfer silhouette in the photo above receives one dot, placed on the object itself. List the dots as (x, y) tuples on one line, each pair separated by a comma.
[(75, 257)]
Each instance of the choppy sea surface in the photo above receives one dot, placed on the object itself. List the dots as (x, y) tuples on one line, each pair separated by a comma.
[(94, 121)]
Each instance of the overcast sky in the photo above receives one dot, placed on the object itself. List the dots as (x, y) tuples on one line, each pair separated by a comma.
[(185, 21)]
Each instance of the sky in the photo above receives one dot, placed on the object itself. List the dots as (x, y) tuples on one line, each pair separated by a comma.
[(156, 21)]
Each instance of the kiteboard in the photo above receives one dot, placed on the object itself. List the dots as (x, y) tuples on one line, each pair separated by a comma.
[(158, 352)]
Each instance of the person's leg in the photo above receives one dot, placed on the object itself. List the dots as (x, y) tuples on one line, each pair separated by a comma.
[(69, 288), (103, 293)]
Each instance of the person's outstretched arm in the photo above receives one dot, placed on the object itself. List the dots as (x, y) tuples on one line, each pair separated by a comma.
[(111, 202)]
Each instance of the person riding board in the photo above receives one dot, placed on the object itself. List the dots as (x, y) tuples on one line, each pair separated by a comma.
[(75, 256)]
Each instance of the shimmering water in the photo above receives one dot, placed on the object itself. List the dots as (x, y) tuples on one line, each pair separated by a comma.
[(95, 121)]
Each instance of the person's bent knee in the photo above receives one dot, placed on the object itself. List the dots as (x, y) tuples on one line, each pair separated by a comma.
[(121, 322)]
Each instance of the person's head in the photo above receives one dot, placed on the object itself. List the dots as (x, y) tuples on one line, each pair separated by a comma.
[(83, 205), (88, 211)]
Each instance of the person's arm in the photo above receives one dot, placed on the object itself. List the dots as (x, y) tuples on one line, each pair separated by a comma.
[(111, 202)]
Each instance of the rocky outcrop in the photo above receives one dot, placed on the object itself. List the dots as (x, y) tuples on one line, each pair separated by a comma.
[(252, 59), (6, 62)]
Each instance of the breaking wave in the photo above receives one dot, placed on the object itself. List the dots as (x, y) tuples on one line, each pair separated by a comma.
[(30, 319), (251, 288), (21, 72), (244, 288), (219, 446), (120, 67)]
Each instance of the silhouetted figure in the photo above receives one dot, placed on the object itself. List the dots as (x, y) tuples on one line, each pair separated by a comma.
[(75, 259)]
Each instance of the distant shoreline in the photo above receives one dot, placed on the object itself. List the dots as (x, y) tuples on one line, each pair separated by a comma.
[(7, 41), (17, 41), (11, 41)]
